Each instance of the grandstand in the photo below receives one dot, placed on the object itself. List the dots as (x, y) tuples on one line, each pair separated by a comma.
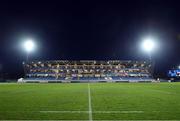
[(87, 71)]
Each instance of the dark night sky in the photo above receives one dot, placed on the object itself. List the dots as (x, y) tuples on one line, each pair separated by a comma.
[(89, 30)]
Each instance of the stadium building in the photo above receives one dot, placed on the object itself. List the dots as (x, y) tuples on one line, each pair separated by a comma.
[(87, 71)]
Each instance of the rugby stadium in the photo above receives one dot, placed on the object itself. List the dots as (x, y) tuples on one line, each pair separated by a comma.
[(88, 71), (80, 60)]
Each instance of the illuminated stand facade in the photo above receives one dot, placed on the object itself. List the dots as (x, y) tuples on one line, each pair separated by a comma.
[(87, 71)]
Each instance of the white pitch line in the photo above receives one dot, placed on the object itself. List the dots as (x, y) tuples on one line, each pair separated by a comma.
[(88, 120), (89, 101), (101, 112), (64, 111)]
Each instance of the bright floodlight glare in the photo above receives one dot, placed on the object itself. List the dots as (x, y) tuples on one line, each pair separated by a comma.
[(148, 44), (29, 45), (179, 67)]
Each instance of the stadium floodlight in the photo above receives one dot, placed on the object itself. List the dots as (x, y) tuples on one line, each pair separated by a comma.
[(29, 46), (149, 45)]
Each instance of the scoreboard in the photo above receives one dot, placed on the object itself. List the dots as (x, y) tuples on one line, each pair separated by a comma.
[(174, 73)]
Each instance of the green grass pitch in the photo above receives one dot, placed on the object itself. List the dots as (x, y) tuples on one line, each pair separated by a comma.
[(74, 101)]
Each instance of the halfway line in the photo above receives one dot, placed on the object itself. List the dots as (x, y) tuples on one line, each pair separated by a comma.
[(89, 101)]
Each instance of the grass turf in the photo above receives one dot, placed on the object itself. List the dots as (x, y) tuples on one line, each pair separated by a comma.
[(109, 101)]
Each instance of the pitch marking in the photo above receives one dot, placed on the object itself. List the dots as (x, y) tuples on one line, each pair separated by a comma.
[(88, 120), (89, 101), (93, 112), (64, 111)]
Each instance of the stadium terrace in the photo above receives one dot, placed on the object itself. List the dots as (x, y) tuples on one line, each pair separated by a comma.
[(87, 71)]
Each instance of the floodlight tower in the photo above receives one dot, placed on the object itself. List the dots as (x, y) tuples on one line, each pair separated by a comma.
[(29, 46), (149, 45)]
